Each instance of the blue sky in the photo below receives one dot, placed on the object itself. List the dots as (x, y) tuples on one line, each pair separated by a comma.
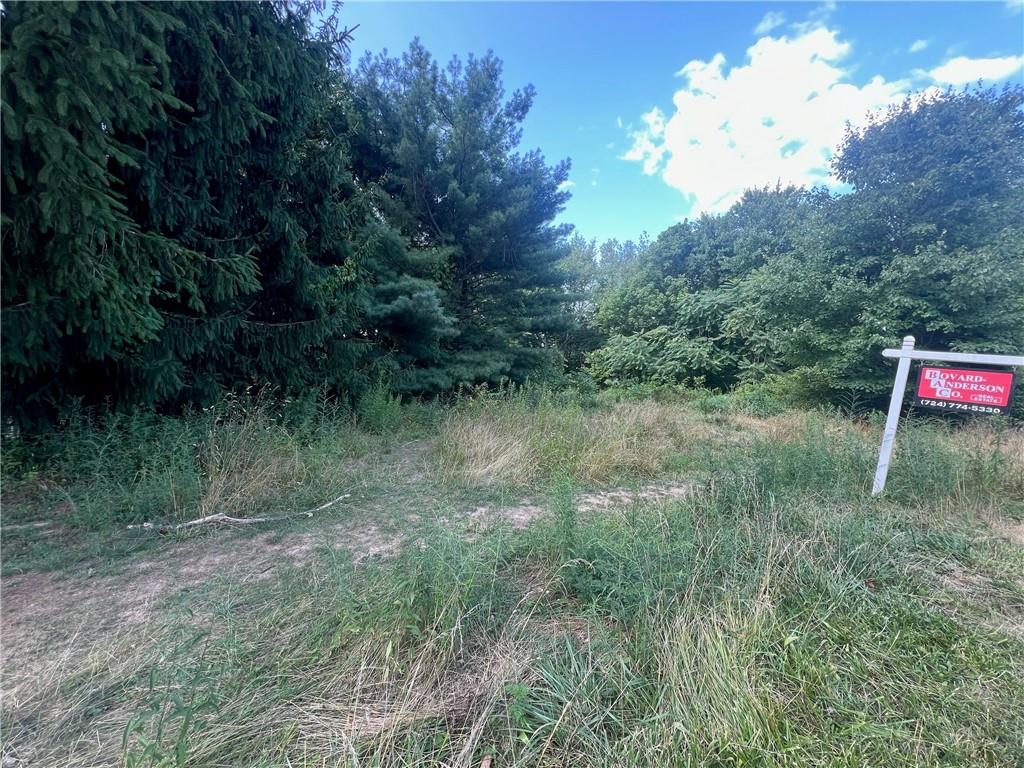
[(670, 109)]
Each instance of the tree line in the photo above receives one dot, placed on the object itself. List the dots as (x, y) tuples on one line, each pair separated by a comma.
[(202, 196), (798, 290), (199, 197)]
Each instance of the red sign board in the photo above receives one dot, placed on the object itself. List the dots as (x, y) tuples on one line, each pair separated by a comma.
[(972, 390)]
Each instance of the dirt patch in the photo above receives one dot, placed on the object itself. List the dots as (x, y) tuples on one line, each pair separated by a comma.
[(966, 582), (624, 497), (1014, 531), (522, 514), (46, 617), (132, 597), (517, 515)]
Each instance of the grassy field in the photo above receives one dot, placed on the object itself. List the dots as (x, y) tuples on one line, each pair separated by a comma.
[(527, 578)]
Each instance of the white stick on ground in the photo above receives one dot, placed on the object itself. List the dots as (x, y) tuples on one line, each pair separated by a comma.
[(220, 517)]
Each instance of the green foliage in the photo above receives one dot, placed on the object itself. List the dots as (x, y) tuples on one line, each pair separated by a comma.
[(799, 289), (199, 198), (590, 274), (378, 410), (658, 356), (945, 167), (441, 145), (180, 698), (80, 82), (566, 517)]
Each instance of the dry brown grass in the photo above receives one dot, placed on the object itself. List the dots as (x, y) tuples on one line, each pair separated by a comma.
[(783, 428), (982, 438), (506, 445), (509, 445), (247, 461), (379, 715), (631, 439), (487, 450), (43, 702), (375, 691)]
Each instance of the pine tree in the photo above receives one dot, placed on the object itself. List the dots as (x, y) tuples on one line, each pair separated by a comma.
[(79, 274), (442, 145), (180, 216), (256, 173)]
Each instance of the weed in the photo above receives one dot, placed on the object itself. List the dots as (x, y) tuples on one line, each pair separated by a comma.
[(775, 615), (379, 411), (503, 440)]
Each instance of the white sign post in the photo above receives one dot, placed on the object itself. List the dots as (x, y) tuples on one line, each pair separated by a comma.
[(892, 420), (905, 354)]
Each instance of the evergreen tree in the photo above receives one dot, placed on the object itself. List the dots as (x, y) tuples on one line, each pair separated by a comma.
[(441, 144), (79, 274), (180, 217)]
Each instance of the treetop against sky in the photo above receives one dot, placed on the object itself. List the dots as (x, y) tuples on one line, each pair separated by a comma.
[(668, 110)]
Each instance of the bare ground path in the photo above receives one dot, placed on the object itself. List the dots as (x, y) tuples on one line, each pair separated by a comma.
[(131, 595), (79, 644), (48, 618)]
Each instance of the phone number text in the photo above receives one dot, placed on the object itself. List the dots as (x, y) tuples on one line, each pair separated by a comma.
[(945, 404)]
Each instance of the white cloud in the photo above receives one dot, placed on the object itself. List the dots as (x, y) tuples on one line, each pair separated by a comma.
[(771, 20), (963, 69), (816, 18), (567, 184), (649, 142), (917, 46), (775, 118)]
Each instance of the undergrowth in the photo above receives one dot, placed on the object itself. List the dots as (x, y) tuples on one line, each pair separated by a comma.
[(778, 615)]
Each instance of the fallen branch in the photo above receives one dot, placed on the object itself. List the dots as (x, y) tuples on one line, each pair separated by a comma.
[(22, 526), (220, 517)]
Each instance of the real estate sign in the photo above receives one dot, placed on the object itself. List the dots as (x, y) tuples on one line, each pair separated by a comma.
[(975, 390), (972, 390)]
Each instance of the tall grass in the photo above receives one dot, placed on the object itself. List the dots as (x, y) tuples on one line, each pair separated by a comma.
[(245, 455), (524, 437), (703, 632), (74, 493), (777, 616)]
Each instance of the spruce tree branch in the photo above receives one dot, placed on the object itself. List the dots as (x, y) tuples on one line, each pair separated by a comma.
[(422, 189)]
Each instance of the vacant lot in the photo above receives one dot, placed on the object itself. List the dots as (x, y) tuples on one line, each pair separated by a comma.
[(525, 579)]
